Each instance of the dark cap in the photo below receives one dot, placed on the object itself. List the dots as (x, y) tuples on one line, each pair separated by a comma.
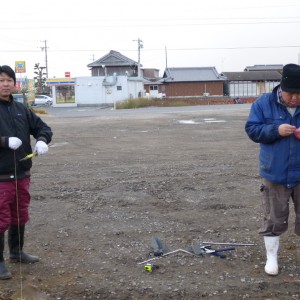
[(290, 81)]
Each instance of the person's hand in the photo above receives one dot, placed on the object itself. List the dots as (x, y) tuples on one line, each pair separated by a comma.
[(41, 147), (14, 143), (297, 133), (286, 129)]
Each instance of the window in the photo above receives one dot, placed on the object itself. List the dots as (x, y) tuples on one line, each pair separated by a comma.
[(243, 88), (153, 88), (65, 94), (119, 88)]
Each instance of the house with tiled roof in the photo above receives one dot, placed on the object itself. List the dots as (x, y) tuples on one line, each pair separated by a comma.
[(188, 82), (250, 83), (114, 63), (274, 67), (192, 82)]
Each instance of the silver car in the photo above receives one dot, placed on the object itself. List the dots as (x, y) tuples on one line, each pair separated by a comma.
[(42, 100)]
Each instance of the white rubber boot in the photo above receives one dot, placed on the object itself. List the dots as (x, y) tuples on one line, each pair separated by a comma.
[(272, 246)]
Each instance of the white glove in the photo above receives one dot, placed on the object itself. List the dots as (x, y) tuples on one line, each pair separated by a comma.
[(41, 147), (14, 143)]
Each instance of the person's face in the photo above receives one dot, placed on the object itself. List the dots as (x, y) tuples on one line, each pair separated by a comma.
[(291, 99), (7, 86)]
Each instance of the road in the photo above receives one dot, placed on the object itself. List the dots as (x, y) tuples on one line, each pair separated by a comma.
[(65, 112)]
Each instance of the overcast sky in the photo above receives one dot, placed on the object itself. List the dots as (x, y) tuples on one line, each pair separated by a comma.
[(226, 34)]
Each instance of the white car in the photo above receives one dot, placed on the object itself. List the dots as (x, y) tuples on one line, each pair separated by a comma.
[(18, 97), (42, 100)]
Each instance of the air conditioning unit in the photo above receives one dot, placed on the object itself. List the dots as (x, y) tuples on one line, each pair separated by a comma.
[(205, 94)]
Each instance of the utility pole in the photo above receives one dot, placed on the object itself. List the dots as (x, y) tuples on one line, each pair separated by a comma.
[(166, 57), (46, 59), (140, 45)]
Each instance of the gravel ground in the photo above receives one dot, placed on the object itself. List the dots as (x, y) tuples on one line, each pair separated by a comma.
[(113, 181)]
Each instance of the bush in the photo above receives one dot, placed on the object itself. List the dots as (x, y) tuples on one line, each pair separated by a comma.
[(134, 103), (168, 102)]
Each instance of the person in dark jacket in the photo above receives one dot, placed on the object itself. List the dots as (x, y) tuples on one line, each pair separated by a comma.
[(274, 123), (17, 124)]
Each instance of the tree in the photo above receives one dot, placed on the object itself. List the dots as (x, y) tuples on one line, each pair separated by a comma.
[(40, 79), (24, 90)]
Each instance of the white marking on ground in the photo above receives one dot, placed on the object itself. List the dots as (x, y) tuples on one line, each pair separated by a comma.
[(216, 121), (208, 120), (188, 122)]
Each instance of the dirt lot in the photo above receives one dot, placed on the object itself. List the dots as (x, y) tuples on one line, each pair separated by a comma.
[(112, 182)]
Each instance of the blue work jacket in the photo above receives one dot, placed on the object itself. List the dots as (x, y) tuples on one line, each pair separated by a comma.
[(279, 157)]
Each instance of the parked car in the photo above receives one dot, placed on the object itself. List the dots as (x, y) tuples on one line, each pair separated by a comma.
[(42, 100), (18, 97)]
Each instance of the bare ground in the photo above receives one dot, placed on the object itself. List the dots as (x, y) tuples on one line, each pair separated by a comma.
[(112, 182)]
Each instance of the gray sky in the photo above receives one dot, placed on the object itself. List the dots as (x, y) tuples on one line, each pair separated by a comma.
[(227, 34)]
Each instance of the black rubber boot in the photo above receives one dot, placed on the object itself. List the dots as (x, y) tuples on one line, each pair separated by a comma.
[(15, 243), (4, 273)]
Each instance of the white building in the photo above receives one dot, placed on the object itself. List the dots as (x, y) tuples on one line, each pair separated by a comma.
[(95, 90)]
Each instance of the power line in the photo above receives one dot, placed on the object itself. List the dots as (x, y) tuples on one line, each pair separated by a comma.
[(158, 49), (168, 24)]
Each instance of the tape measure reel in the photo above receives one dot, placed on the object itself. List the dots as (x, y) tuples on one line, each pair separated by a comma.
[(150, 267)]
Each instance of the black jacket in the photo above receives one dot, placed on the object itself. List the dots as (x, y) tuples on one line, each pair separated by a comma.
[(16, 120)]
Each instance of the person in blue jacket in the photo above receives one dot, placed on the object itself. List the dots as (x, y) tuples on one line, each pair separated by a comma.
[(274, 123)]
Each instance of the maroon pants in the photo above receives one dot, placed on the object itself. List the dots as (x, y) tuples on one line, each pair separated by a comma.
[(14, 203)]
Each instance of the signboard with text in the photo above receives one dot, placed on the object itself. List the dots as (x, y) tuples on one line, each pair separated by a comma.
[(20, 66), (60, 81)]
